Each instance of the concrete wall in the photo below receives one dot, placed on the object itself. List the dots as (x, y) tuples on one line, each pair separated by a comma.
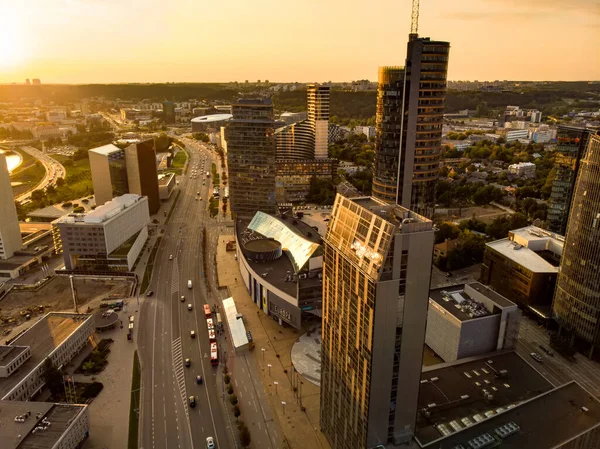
[(443, 332), (10, 234), (479, 336), (100, 177), (126, 224), (137, 247)]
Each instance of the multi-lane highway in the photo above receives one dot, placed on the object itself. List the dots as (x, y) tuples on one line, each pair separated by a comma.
[(164, 340), (54, 170)]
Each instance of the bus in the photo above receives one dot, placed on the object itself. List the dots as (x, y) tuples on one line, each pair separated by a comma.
[(209, 323), (226, 194), (131, 318), (211, 335), (214, 357), (206, 310), (216, 193)]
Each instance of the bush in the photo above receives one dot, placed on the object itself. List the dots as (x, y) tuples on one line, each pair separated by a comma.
[(226, 378), (230, 389), (233, 399), (244, 435), (67, 204), (78, 210), (92, 390), (236, 411)]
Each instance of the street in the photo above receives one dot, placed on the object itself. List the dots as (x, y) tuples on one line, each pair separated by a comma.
[(54, 170)]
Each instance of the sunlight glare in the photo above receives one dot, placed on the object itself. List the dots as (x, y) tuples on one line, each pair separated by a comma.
[(12, 38)]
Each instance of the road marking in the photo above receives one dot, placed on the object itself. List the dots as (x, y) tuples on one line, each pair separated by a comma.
[(178, 371)]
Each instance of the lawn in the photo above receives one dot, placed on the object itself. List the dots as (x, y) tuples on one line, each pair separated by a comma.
[(179, 159), (78, 180)]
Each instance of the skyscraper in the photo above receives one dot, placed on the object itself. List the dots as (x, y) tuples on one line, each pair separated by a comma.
[(318, 117), (142, 174), (572, 142), (376, 274), (251, 154), (10, 234), (169, 112), (109, 172), (420, 119), (387, 134), (576, 305)]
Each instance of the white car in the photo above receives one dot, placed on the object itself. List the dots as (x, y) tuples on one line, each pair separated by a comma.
[(190, 283), (189, 307), (210, 443), (171, 257)]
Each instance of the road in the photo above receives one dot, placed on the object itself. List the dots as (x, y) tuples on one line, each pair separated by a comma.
[(164, 338), (54, 170)]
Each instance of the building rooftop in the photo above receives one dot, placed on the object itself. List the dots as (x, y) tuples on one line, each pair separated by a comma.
[(235, 325), (21, 435), (106, 149), (454, 396), (42, 338), (105, 212), (9, 353), (523, 256), (396, 215), (212, 118), (549, 420), (165, 179)]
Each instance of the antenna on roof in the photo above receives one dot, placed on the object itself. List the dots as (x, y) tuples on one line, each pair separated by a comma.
[(414, 21)]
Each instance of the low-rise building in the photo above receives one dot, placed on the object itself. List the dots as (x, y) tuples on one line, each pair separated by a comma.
[(368, 131), (166, 184), (110, 237), (524, 266), (58, 336), (46, 132), (43, 425), (470, 320), (522, 169), (441, 250)]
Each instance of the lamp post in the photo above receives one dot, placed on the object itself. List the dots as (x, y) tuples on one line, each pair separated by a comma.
[(283, 406), (269, 366), (275, 383), (263, 351)]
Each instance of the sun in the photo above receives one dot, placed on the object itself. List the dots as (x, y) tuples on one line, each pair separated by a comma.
[(12, 38)]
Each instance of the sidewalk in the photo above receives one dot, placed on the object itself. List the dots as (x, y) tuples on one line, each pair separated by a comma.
[(299, 417)]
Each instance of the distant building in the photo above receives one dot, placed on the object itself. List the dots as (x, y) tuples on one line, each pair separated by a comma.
[(210, 123), (251, 152), (169, 112), (376, 275), (512, 135), (109, 172), (536, 116), (10, 235), (469, 320), (58, 336), (523, 169), (368, 131), (111, 237), (570, 148), (524, 266), (318, 118), (295, 176), (295, 141), (542, 135), (36, 81), (56, 115), (441, 250), (142, 174), (292, 117), (337, 132), (46, 132)]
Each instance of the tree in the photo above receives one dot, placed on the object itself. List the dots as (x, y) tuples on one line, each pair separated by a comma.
[(60, 182), (162, 142), (50, 190), (202, 137), (244, 435), (53, 378), (236, 411), (482, 109), (446, 231)]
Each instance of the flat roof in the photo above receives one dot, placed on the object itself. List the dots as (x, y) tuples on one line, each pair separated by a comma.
[(19, 435), (472, 390), (104, 212), (212, 118), (459, 303), (546, 421), (523, 256), (9, 353), (393, 213), (165, 178), (106, 149), (54, 211), (47, 334), (236, 326)]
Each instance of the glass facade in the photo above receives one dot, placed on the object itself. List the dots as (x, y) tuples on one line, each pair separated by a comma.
[(295, 175), (569, 151), (318, 118), (295, 141), (251, 153), (576, 304)]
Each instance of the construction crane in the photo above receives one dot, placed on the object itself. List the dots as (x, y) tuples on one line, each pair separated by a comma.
[(414, 21)]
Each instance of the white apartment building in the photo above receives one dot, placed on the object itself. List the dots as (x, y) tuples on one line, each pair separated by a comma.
[(368, 131), (10, 234), (57, 336), (110, 237), (522, 169)]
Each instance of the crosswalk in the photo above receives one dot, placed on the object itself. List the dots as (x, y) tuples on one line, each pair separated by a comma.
[(178, 371)]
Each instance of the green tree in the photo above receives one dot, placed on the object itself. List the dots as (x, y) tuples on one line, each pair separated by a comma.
[(202, 137), (53, 378), (446, 231), (245, 438), (60, 182), (162, 142)]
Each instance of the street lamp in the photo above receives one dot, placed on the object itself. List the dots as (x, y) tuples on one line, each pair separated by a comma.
[(275, 383), (283, 406), (269, 366), (263, 351)]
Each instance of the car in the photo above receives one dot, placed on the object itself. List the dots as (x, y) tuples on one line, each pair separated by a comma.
[(189, 307), (182, 298), (192, 401), (188, 362), (150, 293), (193, 334), (196, 198), (535, 356), (210, 443), (170, 256), (199, 380), (200, 198), (190, 283), (197, 193)]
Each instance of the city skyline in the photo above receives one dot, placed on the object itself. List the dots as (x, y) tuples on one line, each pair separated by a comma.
[(304, 49)]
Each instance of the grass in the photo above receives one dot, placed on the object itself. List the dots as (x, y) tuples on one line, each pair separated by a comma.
[(150, 266), (134, 416), (179, 159), (215, 175)]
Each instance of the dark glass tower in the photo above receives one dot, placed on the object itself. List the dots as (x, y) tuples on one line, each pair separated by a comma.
[(569, 151), (576, 305)]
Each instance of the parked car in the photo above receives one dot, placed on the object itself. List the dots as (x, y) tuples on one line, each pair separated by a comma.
[(535, 356)]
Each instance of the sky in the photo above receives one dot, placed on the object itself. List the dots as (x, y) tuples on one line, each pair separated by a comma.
[(111, 41)]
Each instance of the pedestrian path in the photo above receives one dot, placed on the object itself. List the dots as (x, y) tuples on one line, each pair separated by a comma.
[(179, 372)]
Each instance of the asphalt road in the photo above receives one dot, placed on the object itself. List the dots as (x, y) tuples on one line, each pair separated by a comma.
[(54, 170), (164, 337)]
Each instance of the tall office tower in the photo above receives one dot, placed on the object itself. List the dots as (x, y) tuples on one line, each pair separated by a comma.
[(251, 153), (576, 305), (142, 173), (10, 233), (169, 112), (572, 142), (109, 172), (318, 117), (376, 274), (420, 118), (387, 133)]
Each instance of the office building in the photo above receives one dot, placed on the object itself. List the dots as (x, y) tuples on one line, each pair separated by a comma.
[(576, 305), (524, 267), (168, 112), (501, 401), (295, 141), (36, 82), (293, 177), (166, 185), (43, 425), (376, 274), (142, 173), (10, 235), (58, 336), (111, 237), (209, 123), (318, 117), (410, 112), (251, 153), (293, 117), (470, 320), (571, 144), (522, 169), (109, 173), (280, 259)]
